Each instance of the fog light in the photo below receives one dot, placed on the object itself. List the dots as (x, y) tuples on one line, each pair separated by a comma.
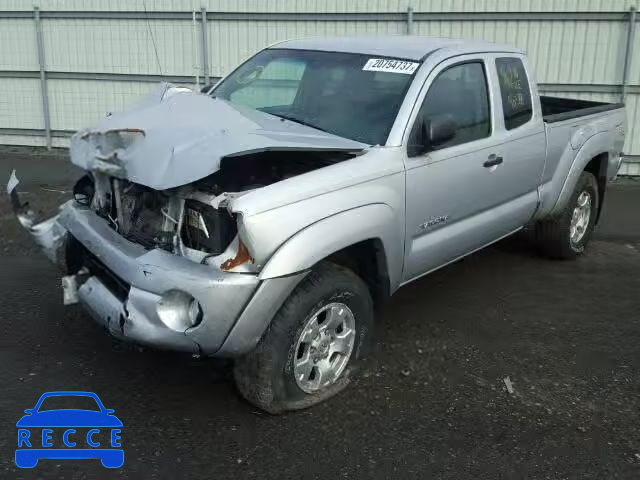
[(179, 311)]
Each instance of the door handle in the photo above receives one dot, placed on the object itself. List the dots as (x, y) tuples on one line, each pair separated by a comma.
[(492, 161)]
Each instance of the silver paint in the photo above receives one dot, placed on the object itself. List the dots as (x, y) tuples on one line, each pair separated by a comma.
[(173, 138), (289, 226), (222, 295)]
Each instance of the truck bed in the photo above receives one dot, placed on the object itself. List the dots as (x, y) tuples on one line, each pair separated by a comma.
[(557, 109)]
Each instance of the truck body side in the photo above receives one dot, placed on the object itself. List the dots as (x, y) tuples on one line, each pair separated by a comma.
[(388, 215)]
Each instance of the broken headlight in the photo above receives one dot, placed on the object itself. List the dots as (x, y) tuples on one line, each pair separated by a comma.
[(83, 191), (207, 229)]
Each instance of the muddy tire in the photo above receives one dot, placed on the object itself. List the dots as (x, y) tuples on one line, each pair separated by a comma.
[(567, 235), (314, 343)]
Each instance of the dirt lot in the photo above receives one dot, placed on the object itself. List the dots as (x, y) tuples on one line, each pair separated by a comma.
[(432, 402)]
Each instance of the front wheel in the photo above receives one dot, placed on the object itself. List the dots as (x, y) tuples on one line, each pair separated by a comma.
[(567, 235), (312, 347)]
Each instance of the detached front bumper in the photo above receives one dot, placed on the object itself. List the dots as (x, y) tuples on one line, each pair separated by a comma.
[(236, 307)]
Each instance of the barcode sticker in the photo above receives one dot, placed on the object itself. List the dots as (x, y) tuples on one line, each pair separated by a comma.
[(390, 65)]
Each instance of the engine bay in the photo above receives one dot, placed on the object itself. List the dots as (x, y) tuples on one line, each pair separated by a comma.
[(194, 220)]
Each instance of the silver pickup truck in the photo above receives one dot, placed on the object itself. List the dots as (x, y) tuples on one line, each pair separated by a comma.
[(264, 218)]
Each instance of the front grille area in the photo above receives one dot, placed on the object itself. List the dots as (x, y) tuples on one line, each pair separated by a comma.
[(115, 284), (78, 256), (150, 218), (141, 219), (140, 214)]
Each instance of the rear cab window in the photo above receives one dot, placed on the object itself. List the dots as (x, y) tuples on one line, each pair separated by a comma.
[(514, 91)]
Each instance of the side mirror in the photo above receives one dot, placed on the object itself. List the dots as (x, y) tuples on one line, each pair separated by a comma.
[(109, 411), (440, 128), (430, 133), (29, 411)]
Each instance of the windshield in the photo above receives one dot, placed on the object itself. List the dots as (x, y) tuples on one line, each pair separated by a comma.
[(350, 95)]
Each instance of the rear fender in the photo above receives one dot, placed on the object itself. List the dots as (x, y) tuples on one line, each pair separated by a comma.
[(591, 149)]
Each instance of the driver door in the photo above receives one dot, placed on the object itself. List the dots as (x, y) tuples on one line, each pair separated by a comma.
[(455, 199)]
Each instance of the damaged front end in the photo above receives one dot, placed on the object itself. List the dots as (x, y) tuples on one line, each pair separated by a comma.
[(155, 267), (151, 243), (184, 221), (49, 235)]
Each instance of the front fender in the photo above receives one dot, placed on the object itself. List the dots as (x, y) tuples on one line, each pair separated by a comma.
[(329, 235)]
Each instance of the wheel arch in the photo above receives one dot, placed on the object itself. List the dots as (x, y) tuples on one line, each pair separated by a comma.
[(365, 239), (367, 259), (593, 158), (598, 166)]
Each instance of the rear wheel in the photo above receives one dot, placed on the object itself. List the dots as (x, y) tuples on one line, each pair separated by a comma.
[(567, 235), (312, 347)]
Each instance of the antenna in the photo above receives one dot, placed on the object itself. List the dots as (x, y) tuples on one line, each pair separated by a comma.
[(196, 52), (155, 48)]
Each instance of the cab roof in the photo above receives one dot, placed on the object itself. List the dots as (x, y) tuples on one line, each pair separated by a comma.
[(409, 47)]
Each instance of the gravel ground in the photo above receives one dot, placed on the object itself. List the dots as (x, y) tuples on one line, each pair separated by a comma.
[(432, 402)]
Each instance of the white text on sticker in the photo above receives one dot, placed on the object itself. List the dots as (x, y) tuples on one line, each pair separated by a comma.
[(389, 65)]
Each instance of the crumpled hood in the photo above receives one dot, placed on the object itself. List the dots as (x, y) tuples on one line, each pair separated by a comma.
[(175, 137)]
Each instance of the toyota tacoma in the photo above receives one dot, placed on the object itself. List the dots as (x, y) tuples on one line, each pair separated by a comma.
[(264, 218)]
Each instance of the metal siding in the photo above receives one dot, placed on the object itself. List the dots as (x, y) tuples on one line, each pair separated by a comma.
[(634, 71), (20, 103), (419, 5), (18, 44), (632, 145), (23, 140), (121, 46), (249, 38), (95, 98), (576, 52), (100, 5), (321, 6), (631, 168), (561, 52)]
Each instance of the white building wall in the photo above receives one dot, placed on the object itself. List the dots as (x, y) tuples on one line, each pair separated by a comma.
[(579, 52)]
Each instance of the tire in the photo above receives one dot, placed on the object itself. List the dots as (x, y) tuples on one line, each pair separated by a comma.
[(265, 377), (554, 236)]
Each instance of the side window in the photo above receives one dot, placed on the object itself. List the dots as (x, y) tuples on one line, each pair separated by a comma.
[(273, 84), (458, 94), (515, 93)]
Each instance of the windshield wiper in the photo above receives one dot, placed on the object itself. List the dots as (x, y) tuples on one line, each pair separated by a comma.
[(299, 120)]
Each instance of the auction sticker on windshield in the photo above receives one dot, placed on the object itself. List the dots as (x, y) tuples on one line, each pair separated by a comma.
[(390, 65)]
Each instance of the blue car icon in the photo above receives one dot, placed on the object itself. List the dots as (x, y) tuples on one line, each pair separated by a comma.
[(69, 433)]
